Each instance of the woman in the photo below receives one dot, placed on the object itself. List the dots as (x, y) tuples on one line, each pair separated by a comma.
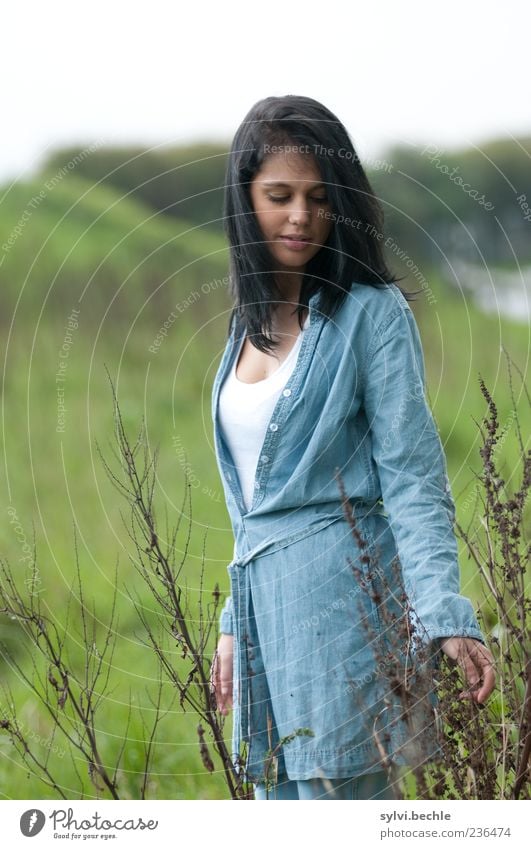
[(323, 373)]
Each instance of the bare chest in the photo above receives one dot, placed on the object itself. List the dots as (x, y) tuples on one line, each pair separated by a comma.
[(254, 365)]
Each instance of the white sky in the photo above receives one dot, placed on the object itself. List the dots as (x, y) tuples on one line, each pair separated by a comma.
[(160, 72)]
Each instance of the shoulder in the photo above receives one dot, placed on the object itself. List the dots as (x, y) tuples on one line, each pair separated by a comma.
[(368, 311), (378, 303), (379, 319)]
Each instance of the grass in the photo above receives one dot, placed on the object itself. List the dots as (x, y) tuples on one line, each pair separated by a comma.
[(55, 480)]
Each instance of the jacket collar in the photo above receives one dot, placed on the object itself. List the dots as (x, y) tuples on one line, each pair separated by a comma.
[(296, 381)]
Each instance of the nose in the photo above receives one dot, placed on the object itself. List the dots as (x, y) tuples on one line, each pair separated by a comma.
[(299, 214)]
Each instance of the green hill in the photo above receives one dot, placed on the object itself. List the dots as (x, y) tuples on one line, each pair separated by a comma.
[(76, 241)]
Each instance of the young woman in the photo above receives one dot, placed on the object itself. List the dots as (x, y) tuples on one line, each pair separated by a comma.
[(323, 373)]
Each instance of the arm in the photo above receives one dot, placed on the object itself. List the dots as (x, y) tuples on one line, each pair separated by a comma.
[(222, 666), (412, 471)]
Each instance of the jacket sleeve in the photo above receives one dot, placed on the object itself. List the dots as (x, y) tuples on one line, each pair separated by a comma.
[(412, 471), (225, 619), (226, 625)]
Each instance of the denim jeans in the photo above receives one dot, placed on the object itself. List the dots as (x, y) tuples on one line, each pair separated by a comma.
[(371, 786)]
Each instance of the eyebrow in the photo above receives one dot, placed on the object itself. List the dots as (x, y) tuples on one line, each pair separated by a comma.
[(288, 185)]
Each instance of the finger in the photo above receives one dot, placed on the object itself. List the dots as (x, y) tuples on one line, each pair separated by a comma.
[(222, 689), (226, 682), (484, 663), (226, 694), (471, 676), (488, 677)]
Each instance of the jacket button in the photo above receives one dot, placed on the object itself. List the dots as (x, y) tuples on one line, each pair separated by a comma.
[(257, 485), (264, 458), (287, 393), (273, 427)]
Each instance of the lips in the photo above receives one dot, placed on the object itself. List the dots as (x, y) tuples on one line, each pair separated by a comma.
[(293, 242)]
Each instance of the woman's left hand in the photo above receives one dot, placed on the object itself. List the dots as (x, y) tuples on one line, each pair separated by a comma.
[(477, 664)]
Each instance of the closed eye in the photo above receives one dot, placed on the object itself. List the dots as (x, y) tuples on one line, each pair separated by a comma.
[(284, 199)]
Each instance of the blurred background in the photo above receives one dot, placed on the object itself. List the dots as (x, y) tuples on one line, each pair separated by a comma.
[(117, 122)]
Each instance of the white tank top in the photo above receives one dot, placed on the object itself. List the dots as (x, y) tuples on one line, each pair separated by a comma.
[(245, 410)]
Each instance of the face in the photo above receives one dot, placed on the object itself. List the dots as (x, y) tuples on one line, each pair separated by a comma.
[(290, 203)]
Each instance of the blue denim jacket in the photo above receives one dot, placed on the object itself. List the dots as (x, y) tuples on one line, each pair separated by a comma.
[(354, 403)]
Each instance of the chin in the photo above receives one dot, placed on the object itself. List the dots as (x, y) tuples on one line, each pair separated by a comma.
[(294, 260)]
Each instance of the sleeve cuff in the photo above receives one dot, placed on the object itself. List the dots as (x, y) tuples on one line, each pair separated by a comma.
[(438, 634)]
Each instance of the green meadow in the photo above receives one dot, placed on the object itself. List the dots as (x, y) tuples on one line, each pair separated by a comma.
[(127, 270)]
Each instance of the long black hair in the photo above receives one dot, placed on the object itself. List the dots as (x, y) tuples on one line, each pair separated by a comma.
[(351, 253)]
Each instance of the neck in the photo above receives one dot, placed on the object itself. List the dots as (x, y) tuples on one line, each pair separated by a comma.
[(290, 285)]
